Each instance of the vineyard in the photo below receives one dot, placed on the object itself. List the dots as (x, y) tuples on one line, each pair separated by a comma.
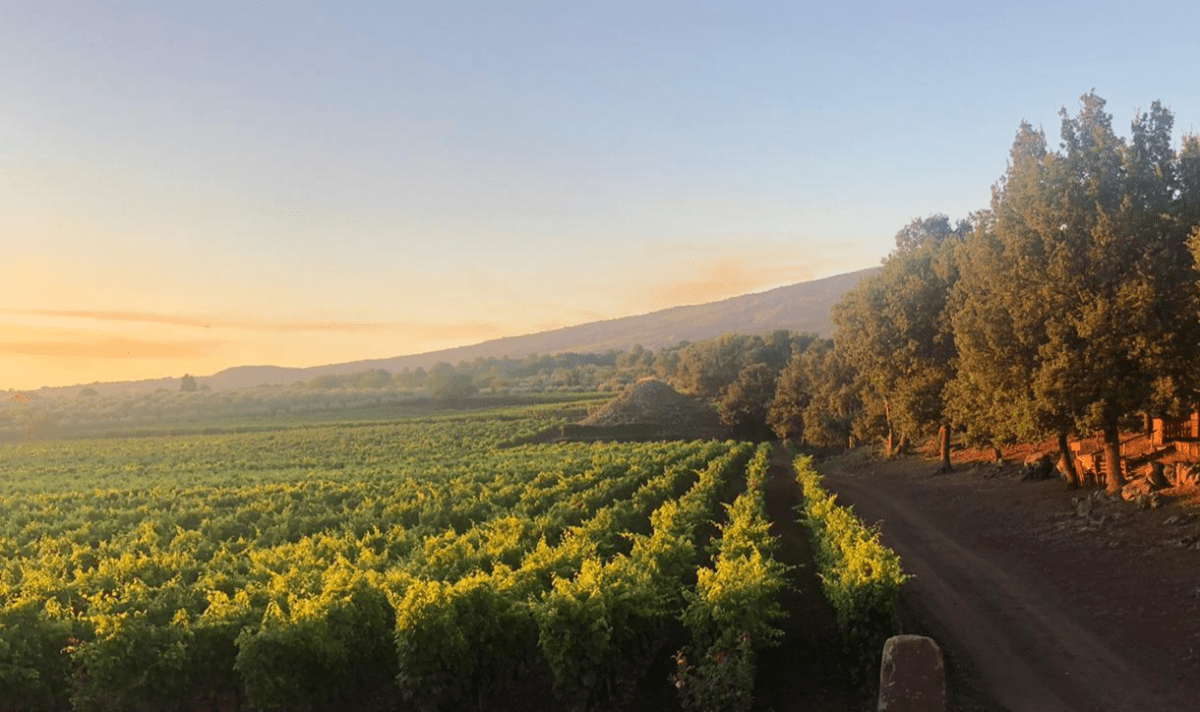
[(426, 564)]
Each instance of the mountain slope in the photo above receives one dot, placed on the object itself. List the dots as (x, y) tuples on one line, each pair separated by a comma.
[(798, 307)]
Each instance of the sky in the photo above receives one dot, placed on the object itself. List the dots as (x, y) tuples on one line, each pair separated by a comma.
[(187, 187)]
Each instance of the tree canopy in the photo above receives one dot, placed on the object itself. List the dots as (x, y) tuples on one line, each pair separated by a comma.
[(894, 330), (1066, 307), (1077, 303)]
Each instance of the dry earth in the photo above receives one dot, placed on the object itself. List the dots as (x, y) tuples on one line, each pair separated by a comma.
[(1043, 599), (807, 671)]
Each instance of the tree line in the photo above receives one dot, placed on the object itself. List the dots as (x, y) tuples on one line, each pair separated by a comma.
[(1068, 307), (703, 368)]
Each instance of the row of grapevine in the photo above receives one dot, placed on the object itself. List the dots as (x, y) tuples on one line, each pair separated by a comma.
[(600, 628), (320, 579), (860, 576), (419, 495), (457, 641), (564, 619), (345, 452), (732, 611)]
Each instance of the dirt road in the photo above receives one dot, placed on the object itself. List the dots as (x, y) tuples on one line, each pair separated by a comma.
[(1035, 611)]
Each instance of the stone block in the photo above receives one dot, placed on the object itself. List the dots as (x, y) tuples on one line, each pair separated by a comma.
[(912, 677)]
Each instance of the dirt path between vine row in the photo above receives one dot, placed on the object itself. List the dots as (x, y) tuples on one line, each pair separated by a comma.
[(1041, 602), (806, 671)]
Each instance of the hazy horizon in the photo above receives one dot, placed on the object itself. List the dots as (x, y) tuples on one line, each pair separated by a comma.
[(190, 189), (371, 361)]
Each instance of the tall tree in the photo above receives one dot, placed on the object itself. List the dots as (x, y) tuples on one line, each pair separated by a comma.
[(1007, 289), (743, 404), (893, 330), (816, 400), (1188, 175), (1076, 304)]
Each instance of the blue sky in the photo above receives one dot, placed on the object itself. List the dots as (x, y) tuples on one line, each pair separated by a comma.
[(185, 188)]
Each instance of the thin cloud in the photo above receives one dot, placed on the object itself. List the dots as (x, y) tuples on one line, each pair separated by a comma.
[(313, 326), (112, 348), (452, 332), (200, 323), (718, 279)]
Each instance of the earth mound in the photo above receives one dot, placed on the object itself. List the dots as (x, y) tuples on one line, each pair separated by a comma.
[(652, 402)]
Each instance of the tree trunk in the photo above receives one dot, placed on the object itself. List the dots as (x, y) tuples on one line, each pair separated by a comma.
[(944, 447), (997, 455), (1114, 480), (891, 437), (1148, 425), (1074, 480)]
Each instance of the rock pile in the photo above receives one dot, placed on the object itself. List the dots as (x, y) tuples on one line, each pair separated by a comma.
[(1116, 516), (653, 402)]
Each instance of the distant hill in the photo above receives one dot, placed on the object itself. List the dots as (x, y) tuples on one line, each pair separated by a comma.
[(799, 307)]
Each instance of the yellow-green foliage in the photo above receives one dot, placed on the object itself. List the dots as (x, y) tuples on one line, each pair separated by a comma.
[(600, 625), (458, 642), (736, 595), (731, 613), (860, 576), (323, 568)]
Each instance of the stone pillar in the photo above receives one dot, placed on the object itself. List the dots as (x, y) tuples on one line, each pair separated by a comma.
[(912, 677)]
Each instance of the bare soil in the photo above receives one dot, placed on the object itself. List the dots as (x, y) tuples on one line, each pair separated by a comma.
[(808, 671), (1042, 599)]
